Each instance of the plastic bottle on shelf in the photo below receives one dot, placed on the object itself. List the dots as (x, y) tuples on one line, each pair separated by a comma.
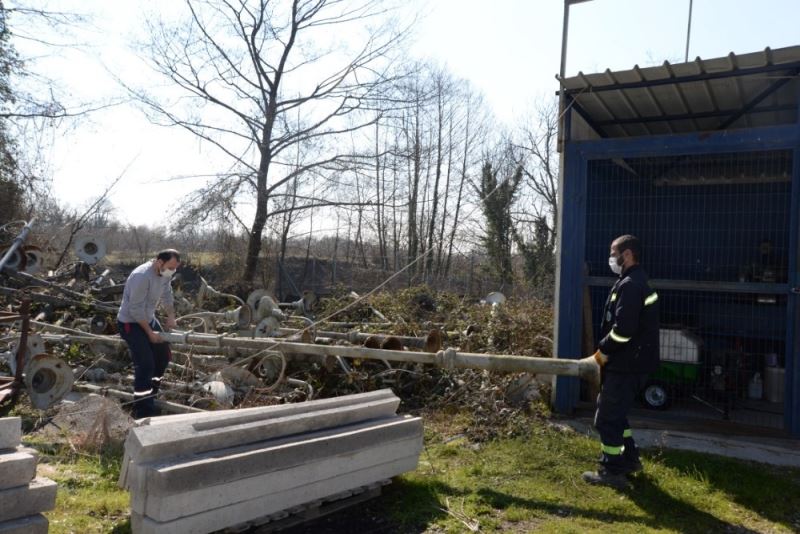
[(755, 389)]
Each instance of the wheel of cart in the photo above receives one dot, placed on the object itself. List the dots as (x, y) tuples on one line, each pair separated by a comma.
[(679, 371), (656, 396)]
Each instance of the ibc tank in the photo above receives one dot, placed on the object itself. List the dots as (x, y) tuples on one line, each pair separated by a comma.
[(679, 346)]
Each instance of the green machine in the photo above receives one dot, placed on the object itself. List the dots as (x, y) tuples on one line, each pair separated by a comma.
[(679, 369)]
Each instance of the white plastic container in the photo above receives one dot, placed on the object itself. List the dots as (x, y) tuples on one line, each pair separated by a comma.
[(755, 388), (774, 379), (679, 346)]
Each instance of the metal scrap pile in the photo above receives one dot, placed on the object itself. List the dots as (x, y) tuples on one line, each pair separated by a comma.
[(58, 333)]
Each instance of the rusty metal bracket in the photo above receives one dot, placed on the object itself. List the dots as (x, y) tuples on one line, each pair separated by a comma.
[(10, 393)]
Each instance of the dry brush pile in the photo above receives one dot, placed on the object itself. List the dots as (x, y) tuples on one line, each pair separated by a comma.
[(74, 312)]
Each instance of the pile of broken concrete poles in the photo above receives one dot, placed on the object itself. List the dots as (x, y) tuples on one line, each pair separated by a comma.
[(203, 472), (23, 495)]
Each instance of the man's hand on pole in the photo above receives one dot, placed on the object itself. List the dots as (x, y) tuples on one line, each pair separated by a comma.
[(600, 358)]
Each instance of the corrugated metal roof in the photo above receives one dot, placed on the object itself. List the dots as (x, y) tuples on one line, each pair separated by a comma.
[(736, 91)]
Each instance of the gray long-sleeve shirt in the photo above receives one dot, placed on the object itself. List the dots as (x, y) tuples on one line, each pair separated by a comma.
[(143, 291)]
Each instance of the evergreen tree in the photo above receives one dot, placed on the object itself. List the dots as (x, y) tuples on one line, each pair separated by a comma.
[(497, 198), (538, 253)]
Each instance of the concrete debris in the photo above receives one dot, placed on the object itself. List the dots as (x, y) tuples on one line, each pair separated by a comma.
[(10, 432), (32, 524), (90, 423), (205, 472), (23, 495)]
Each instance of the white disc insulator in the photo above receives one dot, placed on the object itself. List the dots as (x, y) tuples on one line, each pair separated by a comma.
[(90, 249)]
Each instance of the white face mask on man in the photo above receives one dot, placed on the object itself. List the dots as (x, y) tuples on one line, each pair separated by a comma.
[(167, 272), (615, 267)]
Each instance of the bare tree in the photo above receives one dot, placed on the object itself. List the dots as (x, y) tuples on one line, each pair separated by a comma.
[(535, 152), (442, 93), (413, 132), (380, 197), (77, 223), (474, 131), (234, 62), (450, 150)]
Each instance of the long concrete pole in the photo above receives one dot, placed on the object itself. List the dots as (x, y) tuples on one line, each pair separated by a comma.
[(449, 358)]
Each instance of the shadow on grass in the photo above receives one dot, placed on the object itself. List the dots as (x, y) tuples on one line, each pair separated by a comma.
[(662, 510), (666, 511), (406, 507), (122, 528), (769, 491)]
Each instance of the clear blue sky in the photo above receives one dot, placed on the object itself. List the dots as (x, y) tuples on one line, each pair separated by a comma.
[(509, 49), (512, 50)]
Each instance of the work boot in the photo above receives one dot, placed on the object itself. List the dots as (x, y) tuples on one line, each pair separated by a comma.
[(631, 457), (633, 464), (156, 385), (611, 472), (604, 477), (143, 405), (142, 411)]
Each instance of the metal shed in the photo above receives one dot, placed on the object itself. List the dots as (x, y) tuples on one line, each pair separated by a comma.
[(701, 161)]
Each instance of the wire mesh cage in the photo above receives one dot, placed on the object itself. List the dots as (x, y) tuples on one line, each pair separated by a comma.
[(715, 231)]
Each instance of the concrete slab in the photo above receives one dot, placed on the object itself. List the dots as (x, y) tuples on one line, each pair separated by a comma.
[(164, 507), (157, 442), (143, 439), (10, 432), (32, 524), (219, 518), (28, 450), (16, 469), (218, 467), (269, 412), (38, 496), (721, 445)]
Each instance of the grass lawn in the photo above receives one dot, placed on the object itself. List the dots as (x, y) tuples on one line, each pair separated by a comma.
[(518, 484)]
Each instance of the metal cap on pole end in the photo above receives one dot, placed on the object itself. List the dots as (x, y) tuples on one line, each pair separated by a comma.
[(589, 370)]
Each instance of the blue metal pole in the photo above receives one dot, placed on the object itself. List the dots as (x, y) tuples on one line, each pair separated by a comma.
[(791, 407), (569, 311)]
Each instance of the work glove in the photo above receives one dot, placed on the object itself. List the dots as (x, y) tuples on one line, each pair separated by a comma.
[(600, 358)]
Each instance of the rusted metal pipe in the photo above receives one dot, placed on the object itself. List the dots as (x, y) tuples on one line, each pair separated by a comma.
[(165, 406), (352, 324), (359, 337), (24, 311), (60, 301)]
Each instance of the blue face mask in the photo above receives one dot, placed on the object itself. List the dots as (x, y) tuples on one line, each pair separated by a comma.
[(614, 264)]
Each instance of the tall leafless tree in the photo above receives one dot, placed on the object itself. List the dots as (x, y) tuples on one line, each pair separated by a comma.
[(535, 151), (236, 61)]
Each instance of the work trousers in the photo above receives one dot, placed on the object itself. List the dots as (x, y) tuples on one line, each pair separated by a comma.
[(150, 360), (615, 400)]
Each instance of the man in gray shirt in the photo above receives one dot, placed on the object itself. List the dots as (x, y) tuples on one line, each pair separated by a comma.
[(146, 287)]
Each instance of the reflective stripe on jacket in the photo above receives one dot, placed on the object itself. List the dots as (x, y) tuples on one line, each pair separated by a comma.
[(629, 329)]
